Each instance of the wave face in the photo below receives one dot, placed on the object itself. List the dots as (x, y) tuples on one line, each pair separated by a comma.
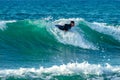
[(29, 43), (85, 35)]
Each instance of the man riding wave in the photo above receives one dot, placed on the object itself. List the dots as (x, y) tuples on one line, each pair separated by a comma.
[(66, 27)]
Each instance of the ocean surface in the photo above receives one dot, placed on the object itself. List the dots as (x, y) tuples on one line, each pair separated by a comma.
[(32, 48)]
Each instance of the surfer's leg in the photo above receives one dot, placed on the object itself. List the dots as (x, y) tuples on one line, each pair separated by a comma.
[(60, 27)]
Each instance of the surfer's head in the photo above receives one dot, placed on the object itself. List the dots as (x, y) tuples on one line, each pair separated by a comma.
[(72, 23)]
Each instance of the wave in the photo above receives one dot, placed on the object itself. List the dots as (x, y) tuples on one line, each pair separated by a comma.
[(66, 71), (41, 37), (100, 33), (3, 24), (72, 37), (39, 33)]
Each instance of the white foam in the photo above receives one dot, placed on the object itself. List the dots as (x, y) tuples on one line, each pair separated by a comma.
[(106, 29), (72, 37), (3, 24), (68, 69)]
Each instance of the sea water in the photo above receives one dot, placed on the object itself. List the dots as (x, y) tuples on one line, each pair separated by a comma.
[(32, 48)]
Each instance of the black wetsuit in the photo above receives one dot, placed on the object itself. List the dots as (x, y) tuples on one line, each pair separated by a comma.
[(66, 27)]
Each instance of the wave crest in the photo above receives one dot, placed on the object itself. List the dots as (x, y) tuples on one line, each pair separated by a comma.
[(82, 69)]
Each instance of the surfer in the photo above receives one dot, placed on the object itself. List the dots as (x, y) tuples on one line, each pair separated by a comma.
[(66, 27)]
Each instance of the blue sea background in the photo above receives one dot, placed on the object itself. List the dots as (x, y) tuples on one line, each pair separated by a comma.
[(95, 10), (32, 48)]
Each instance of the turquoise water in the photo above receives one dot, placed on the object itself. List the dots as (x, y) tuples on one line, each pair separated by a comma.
[(32, 48)]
